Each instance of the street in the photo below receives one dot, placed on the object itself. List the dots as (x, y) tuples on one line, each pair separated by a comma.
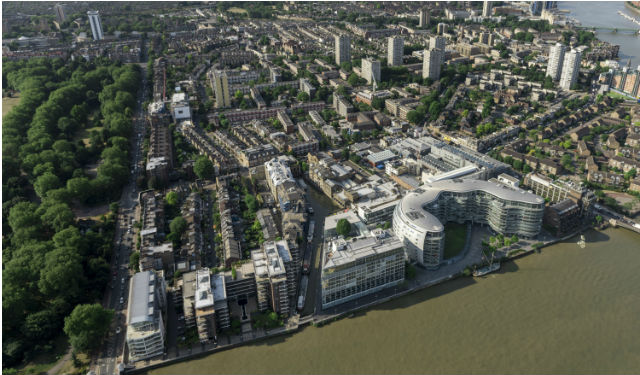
[(118, 293)]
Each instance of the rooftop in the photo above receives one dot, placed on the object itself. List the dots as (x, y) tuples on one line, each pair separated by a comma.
[(412, 204), (340, 251)]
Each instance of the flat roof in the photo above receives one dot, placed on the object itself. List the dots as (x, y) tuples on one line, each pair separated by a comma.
[(412, 204), (141, 301), (340, 251)]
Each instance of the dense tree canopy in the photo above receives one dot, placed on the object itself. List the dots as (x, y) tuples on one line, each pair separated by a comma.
[(49, 266), (86, 325)]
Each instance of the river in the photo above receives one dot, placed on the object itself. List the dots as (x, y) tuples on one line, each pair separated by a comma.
[(605, 14), (564, 310)]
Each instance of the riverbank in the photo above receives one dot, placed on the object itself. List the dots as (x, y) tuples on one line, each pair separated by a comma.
[(632, 8), (579, 303), (297, 323)]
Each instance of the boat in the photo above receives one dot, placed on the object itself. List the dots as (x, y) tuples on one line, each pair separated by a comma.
[(304, 281), (582, 243), (486, 270), (306, 262), (310, 210), (312, 226)]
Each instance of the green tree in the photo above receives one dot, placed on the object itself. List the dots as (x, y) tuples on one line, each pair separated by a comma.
[(203, 167), (343, 227), (86, 325), (134, 261), (172, 198), (178, 225), (302, 96), (46, 182)]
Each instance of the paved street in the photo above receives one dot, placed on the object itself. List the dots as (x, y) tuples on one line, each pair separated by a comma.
[(112, 352)]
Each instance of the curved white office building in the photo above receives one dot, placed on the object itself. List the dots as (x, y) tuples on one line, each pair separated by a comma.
[(419, 218)]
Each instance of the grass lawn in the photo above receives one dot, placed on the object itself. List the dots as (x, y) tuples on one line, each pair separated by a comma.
[(83, 134), (44, 361), (69, 368), (8, 104), (614, 94), (455, 236), (236, 10)]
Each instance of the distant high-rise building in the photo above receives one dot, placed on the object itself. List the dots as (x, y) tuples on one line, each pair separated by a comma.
[(425, 18), (486, 9), (442, 28), (371, 70), (438, 42), (535, 7), (570, 69), (431, 63), (556, 57), (96, 24), (59, 9), (343, 49), (220, 85), (395, 50)]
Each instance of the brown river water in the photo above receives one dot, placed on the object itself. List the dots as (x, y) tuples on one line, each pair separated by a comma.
[(565, 310)]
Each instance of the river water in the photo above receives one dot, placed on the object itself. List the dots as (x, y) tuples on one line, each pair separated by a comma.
[(605, 14), (564, 310)]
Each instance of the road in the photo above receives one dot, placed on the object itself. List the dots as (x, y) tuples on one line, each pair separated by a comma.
[(116, 298)]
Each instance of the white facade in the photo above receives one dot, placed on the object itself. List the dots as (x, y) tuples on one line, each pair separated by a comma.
[(570, 69), (419, 218), (431, 64), (180, 106), (371, 70), (360, 266), (342, 49), (556, 58), (486, 9), (424, 18), (96, 24), (145, 325), (395, 50)]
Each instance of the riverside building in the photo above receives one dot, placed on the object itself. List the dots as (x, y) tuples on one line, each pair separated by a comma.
[(420, 216), (360, 266), (145, 324)]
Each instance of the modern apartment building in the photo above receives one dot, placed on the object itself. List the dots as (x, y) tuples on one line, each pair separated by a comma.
[(486, 8), (424, 18), (360, 266), (96, 24), (274, 273), (371, 70), (59, 9), (145, 323), (220, 85), (343, 49), (556, 58), (395, 51), (437, 42), (420, 216), (432, 63), (570, 69)]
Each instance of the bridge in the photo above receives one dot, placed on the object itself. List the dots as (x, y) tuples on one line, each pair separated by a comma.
[(609, 29)]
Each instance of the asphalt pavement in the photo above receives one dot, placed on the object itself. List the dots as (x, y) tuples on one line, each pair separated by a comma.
[(117, 294)]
